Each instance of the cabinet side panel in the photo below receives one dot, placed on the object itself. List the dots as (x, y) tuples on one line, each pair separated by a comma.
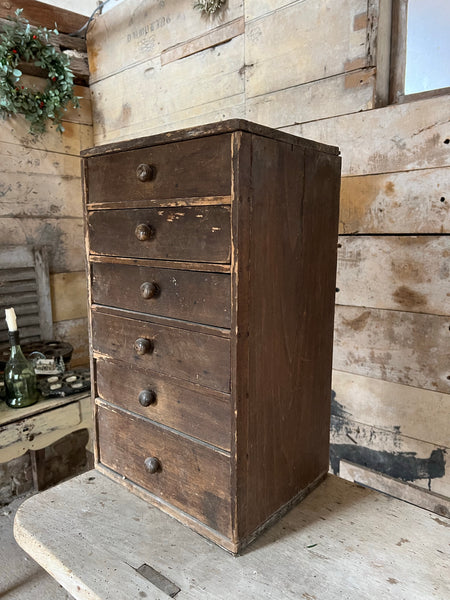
[(283, 424)]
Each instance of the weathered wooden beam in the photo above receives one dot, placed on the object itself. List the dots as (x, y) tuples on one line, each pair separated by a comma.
[(44, 15)]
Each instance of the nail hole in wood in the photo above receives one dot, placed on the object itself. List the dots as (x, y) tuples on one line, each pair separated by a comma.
[(447, 141), (442, 199)]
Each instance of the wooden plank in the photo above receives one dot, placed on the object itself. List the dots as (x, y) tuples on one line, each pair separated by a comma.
[(219, 35), (281, 47), (136, 33), (402, 347), (28, 433), (331, 96), (45, 15), (343, 541), (75, 138), (398, 489), (301, 205), (387, 140), (63, 236), (406, 202), (41, 265), (408, 273), (201, 88), (69, 295), (389, 453), (74, 332), (10, 415), (399, 409)]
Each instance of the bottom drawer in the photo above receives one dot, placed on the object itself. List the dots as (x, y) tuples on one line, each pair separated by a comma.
[(189, 475)]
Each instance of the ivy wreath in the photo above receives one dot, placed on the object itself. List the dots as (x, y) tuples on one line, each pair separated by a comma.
[(21, 43)]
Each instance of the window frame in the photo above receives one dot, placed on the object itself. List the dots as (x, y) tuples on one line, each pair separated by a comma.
[(398, 40)]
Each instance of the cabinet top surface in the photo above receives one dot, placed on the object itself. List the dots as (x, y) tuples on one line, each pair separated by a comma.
[(220, 127)]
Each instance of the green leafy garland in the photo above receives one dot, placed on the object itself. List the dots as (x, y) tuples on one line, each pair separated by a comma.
[(209, 6), (20, 43)]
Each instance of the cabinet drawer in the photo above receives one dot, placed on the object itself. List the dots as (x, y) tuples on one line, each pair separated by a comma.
[(201, 413), (200, 233), (189, 475), (196, 357), (188, 295), (193, 168)]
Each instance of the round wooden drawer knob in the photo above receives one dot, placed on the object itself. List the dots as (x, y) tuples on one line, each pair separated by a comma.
[(145, 172), (147, 397), (144, 232), (143, 346), (149, 290), (152, 465)]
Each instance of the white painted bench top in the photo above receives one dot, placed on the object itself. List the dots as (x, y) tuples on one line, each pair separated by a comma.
[(343, 542)]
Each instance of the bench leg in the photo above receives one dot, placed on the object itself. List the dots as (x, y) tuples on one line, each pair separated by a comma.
[(38, 468)]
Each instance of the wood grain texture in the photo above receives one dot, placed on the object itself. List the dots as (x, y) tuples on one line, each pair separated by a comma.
[(394, 346), (413, 412), (191, 296), (289, 38), (171, 96), (136, 33), (203, 414), (196, 357), (291, 291), (405, 202), (193, 168), (402, 137), (45, 15), (192, 476), (189, 234), (335, 95), (368, 545), (407, 273)]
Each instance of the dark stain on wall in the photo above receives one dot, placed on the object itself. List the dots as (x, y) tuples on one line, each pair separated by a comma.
[(400, 465)]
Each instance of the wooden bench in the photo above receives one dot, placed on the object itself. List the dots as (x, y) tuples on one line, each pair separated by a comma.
[(100, 542)]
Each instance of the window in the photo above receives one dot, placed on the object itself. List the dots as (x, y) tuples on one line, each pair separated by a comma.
[(420, 49)]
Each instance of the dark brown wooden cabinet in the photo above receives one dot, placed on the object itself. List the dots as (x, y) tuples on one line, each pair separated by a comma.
[(212, 258)]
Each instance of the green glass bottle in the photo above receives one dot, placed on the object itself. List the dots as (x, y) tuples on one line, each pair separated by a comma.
[(20, 378)]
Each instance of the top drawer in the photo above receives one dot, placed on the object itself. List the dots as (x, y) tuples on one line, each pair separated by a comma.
[(189, 169)]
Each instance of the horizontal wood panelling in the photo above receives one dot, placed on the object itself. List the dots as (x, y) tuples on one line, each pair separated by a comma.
[(282, 47), (136, 32), (219, 35), (39, 184), (394, 455), (69, 295), (337, 95), (396, 138), (409, 273), (75, 138), (63, 236), (398, 409), (177, 99), (405, 202), (402, 347)]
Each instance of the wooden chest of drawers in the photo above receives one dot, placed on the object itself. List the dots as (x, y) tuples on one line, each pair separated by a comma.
[(212, 257)]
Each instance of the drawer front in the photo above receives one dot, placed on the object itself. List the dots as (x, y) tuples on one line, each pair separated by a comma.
[(198, 234), (190, 476), (188, 295), (200, 413), (189, 169), (193, 356)]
